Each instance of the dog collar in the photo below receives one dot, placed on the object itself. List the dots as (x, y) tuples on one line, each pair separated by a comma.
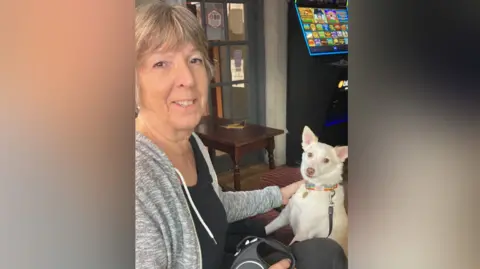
[(323, 187)]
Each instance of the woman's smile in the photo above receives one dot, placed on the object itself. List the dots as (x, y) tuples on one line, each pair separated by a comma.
[(185, 104)]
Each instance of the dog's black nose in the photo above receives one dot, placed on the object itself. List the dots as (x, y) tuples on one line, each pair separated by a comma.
[(310, 171)]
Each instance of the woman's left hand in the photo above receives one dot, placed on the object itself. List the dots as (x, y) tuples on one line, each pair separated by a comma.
[(289, 191)]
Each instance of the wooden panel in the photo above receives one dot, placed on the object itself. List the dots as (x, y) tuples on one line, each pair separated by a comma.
[(217, 96)]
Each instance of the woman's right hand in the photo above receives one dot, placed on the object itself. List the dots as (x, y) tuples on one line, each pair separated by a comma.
[(283, 264)]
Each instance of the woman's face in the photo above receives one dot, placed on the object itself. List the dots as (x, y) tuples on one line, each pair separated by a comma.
[(173, 86)]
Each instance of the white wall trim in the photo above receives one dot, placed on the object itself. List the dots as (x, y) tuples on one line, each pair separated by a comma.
[(276, 28)]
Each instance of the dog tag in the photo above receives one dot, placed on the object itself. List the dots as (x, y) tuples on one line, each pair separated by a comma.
[(305, 194)]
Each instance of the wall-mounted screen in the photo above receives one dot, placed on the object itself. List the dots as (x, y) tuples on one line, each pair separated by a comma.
[(325, 29)]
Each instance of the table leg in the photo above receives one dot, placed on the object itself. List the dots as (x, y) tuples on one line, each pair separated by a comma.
[(236, 170), (236, 178), (270, 148)]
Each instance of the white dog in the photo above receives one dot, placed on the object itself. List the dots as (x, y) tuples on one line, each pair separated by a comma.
[(317, 208)]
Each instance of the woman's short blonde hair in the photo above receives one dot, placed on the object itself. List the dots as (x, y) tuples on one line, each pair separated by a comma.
[(167, 26)]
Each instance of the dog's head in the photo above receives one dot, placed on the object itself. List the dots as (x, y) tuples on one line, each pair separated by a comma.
[(321, 163)]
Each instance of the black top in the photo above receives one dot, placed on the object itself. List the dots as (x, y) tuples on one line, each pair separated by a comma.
[(211, 210)]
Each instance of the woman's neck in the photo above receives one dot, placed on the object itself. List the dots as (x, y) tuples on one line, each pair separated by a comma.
[(166, 138)]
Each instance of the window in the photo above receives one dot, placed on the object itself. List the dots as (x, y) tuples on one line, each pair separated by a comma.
[(229, 48)]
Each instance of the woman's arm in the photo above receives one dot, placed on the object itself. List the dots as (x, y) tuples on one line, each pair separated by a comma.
[(242, 204), (150, 250), (149, 244)]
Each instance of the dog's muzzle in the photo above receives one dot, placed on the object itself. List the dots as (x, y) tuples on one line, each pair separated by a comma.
[(310, 172)]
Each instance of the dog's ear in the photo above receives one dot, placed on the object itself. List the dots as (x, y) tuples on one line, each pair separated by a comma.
[(342, 153), (308, 137)]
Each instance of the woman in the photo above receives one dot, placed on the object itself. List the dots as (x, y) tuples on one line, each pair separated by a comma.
[(182, 215)]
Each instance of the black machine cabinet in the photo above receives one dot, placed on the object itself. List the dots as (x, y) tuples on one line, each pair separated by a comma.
[(314, 95), (335, 128)]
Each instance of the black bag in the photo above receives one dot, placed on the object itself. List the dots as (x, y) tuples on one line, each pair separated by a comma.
[(248, 255)]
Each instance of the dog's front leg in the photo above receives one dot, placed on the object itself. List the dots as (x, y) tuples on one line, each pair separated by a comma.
[(281, 221)]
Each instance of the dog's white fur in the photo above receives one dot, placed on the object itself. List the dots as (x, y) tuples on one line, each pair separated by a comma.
[(308, 216)]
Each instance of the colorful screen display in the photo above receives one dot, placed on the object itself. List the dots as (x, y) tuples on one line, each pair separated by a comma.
[(325, 30)]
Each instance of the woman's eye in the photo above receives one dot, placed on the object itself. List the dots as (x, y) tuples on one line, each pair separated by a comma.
[(196, 61), (309, 155), (160, 64)]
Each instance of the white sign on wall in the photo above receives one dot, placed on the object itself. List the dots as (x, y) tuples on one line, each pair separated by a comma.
[(214, 19), (237, 56)]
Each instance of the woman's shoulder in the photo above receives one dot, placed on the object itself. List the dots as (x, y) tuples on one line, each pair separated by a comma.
[(147, 152), (150, 162)]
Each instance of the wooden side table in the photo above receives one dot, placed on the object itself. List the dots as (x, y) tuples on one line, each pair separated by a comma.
[(236, 142)]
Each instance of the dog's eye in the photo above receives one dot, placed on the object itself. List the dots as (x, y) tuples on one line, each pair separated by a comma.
[(309, 155), (325, 160)]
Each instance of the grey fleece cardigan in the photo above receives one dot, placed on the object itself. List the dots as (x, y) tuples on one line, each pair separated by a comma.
[(165, 233)]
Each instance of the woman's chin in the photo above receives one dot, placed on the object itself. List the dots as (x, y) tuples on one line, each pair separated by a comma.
[(187, 122)]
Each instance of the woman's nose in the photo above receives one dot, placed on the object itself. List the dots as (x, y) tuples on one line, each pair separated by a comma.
[(184, 75)]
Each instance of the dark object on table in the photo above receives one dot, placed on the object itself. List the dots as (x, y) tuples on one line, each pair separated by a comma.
[(238, 125)]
